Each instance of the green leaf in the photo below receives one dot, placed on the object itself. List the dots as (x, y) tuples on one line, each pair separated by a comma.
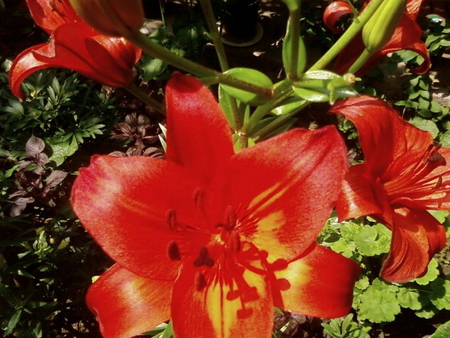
[(251, 76), (443, 331), (425, 125), (61, 150), (440, 293), (378, 306), (431, 275), (409, 298), (371, 241)]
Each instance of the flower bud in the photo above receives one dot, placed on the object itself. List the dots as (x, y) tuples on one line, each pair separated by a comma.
[(111, 17), (381, 26)]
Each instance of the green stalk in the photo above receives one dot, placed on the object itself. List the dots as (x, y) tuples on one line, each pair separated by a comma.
[(293, 27), (348, 36), (363, 58), (154, 49), (141, 95), (214, 33)]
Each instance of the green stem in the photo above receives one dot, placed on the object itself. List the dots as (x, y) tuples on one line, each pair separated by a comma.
[(363, 58), (293, 28), (214, 33), (140, 94), (348, 36), (157, 51)]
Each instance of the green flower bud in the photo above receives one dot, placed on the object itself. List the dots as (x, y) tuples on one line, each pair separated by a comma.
[(111, 17), (381, 26)]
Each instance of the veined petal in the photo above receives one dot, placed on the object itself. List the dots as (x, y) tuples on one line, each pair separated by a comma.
[(282, 190), (51, 14), (127, 205), (357, 197), (416, 237), (198, 138), (203, 305), (23, 66), (383, 134), (72, 47), (126, 304), (321, 284)]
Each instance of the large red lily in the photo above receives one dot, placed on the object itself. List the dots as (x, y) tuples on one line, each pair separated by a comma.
[(73, 45), (407, 36), (403, 176), (211, 238)]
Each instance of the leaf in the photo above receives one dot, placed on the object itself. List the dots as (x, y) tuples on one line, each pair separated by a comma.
[(62, 150), (409, 298), (251, 76), (372, 241), (425, 125), (443, 331), (431, 275), (378, 306), (440, 294)]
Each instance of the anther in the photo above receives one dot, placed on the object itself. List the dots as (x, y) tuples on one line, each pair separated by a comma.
[(203, 258), (234, 241), (174, 251), (200, 281), (436, 157), (230, 217), (438, 183), (244, 313)]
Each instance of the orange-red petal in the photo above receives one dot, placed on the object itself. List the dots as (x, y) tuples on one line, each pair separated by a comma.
[(282, 190), (124, 204), (334, 13), (319, 283), (202, 306), (126, 304), (51, 14), (416, 237), (198, 138)]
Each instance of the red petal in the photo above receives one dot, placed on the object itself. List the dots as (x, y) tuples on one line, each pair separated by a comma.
[(334, 12), (321, 284), (357, 195), (51, 14), (73, 47), (123, 203), (282, 189), (23, 66), (210, 311), (416, 237), (126, 304), (383, 134), (199, 138)]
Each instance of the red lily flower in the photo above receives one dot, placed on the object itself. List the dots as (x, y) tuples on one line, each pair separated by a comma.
[(403, 176), (335, 13), (406, 36), (223, 236), (73, 45)]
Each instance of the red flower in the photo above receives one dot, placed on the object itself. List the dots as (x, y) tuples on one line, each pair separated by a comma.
[(221, 236), (335, 13), (403, 176), (406, 36), (73, 45)]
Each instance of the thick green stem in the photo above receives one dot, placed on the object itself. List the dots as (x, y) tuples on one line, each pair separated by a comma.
[(349, 35), (363, 58), (141, 95), (214, 33), (293, 27), (154, 49)]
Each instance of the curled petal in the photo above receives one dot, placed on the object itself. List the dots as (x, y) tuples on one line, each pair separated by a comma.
[(416, 237), (217, 312), (199, 138), (51, 14), (282, 199), (357, 197), (383, 134), (126, 304), (334, 14), (319, 283), (125, 205)]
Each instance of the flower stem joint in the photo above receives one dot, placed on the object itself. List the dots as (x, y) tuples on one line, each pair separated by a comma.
[(381, 26), (111, 17)]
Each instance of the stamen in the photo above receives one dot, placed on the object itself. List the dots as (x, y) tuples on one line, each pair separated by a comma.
[(436, 157), (200, 281), (174, 251), (244, 313), (230, 217), (438, 183), (203, 258), (234, 241)]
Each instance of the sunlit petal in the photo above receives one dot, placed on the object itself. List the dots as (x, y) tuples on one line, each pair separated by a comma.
[(199, 138), (51, 14), (319, 283), (126, 304)]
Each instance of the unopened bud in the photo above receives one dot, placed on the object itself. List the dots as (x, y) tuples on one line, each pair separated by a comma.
[(381, 26), (111, 17)]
